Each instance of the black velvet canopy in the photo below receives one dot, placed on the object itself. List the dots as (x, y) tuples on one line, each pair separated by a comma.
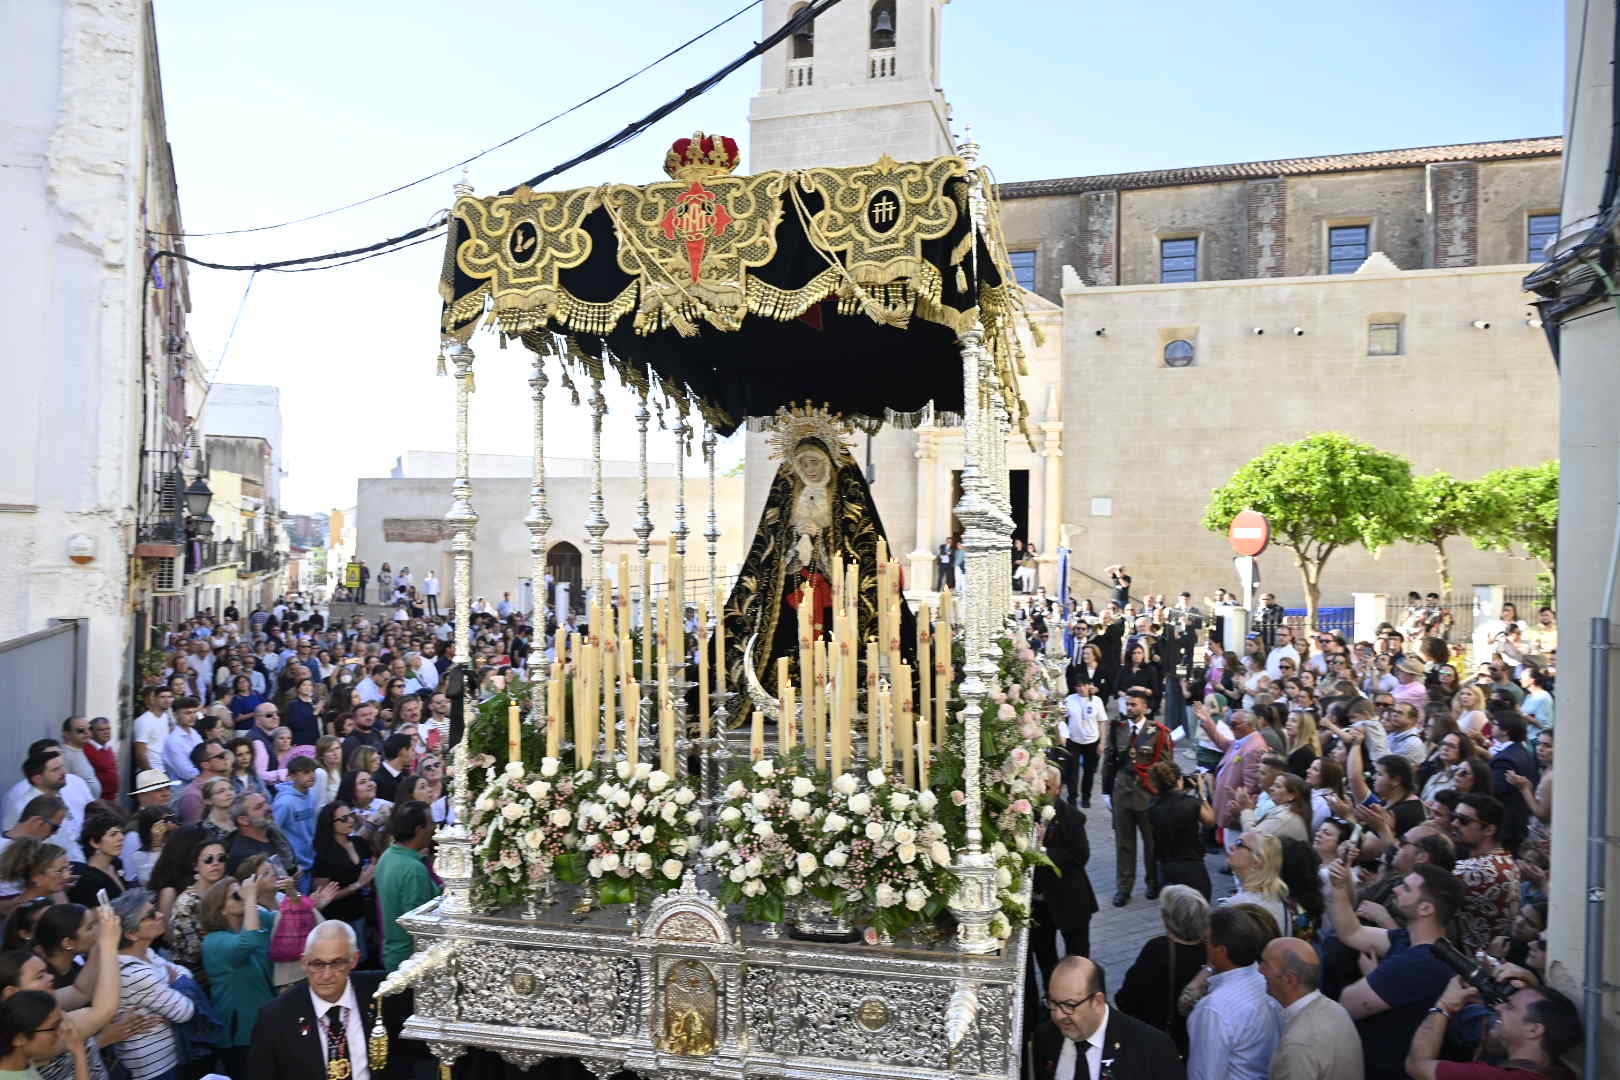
[(738, 295)]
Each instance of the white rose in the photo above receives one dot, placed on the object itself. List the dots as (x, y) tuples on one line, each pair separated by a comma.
[(511, 811), (803, 786), (792, 886), (486, 803), (610, 862), (835, 823), (514, 769), (1048, 812), (836, 857), (672, 868), (736, 789), (622, 799), (1021, 842), (762, 799), (1003, 878), (684, 796), (621, 837), (658, 781), (591, 840), (561, 818), (638, 802), (798, 809), (623, 770), (907, 853), (845, 784), (764, 830), (874, 830), (548, 767), (644, 862), (764, 768), (647, 834), (934, 831), (594, 868), (939, 853), (718, 848), (755, 866), (926, 801), (538, 790), (875, 778), (754, 887), (730, 815), (680, 847), (886, 896), (669, 812), (998, 850), (806, 863), (643, 770), (861, 803), (694, 817), (534, 838), (916, 899), (904, 835), (738, 875), (899, 802)]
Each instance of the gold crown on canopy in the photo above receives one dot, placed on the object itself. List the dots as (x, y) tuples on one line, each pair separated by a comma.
[(795, 423)]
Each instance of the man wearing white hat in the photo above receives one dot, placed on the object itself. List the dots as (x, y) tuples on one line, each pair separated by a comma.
[(152, 788)]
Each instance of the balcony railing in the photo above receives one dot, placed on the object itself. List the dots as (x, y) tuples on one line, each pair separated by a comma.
[(800, 73), (880, 64), (161, 521)]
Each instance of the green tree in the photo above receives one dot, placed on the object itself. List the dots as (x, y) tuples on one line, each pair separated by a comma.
[(1443, 507), (1324, 492), (1520, 507)]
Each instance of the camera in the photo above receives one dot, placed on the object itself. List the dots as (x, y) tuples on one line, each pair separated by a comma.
[(1474, 972)]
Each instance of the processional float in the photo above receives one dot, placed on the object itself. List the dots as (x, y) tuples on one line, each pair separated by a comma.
[(627, 845)]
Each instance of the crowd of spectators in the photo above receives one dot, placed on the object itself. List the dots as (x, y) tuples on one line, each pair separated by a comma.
[(1347, 828)]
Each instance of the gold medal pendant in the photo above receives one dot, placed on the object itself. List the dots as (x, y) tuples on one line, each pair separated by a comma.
[(339, 1070)]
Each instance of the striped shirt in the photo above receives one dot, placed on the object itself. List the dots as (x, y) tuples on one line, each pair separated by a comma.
[(145, 985), (1235, 1028)]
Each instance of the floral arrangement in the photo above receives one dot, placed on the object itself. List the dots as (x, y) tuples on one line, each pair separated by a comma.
[(523, 829), (859, 843), (1014, 734), (637, 830)]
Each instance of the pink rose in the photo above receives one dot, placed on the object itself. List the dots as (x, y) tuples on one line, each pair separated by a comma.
[(959, 798), (1006, 712), (1019, 756), (1028, 730), (1021, 806)]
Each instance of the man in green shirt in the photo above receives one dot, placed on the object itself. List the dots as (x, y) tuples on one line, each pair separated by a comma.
[(403, 882)]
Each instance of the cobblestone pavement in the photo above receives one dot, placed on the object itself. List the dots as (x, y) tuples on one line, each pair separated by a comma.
[(1117, 934)]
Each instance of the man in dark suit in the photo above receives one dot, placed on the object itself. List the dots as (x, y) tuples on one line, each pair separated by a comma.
[(297, 1035), (1065, 901), (1084, 1039), (1511, 757)]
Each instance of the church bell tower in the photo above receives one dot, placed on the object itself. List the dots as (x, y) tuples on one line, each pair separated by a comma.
[(862, 83)]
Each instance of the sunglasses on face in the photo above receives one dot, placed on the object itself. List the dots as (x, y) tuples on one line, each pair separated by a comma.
[(210, 860)]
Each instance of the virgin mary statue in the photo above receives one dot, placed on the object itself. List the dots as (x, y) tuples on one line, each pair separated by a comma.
[(819, 511)]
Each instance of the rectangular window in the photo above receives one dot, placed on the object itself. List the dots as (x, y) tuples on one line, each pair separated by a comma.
[(1543, 230), (1347, 248), (1178, 260), (1023, 268), (1384, 339)]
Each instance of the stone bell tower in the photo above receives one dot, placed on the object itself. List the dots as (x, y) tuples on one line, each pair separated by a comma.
[(864, 83)]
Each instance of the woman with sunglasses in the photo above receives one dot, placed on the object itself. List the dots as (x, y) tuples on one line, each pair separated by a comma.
[(1256, 860), (206, 867), (344, 859), (33, 1029), (236, 956), (145, 983), (359, 791)]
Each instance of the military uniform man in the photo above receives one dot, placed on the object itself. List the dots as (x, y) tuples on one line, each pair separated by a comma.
[(1136, 742)]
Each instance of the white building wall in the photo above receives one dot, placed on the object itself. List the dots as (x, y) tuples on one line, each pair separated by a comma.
[(247, 410), (71, 141)]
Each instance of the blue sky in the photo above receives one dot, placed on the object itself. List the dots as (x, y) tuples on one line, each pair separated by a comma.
[(280, 110)]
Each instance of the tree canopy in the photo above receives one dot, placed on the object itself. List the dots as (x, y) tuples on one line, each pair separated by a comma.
[(1519, 506)]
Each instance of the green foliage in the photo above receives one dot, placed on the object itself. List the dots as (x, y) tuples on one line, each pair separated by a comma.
[(1324, 492), (1443, 507), (1519, 507)]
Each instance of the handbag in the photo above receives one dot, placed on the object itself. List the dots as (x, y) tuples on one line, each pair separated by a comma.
[(294, 921)]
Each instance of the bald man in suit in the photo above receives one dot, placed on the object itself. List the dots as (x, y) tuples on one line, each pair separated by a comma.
[(1083, 1038)]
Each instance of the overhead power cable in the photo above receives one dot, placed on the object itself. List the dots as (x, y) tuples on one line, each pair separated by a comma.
[(688, 43), (802, 18)]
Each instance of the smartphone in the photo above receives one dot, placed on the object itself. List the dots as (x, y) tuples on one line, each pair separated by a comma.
[(101, 898)]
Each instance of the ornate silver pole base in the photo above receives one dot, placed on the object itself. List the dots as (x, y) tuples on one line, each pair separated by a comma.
[(974, 904)]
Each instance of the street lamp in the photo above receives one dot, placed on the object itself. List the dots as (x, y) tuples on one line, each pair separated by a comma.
[(201, 524), (198, 496)]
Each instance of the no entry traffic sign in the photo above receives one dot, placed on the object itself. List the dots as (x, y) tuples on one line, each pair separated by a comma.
[(1249, 532)]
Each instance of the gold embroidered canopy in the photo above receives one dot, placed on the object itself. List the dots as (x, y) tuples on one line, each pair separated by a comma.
[(738, 295)]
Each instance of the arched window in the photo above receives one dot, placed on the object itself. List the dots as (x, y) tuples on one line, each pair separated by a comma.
[(883, 25), (804, 41), (1179, 353)]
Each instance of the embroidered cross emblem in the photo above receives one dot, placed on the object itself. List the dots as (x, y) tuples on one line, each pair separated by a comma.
[(697, 217)]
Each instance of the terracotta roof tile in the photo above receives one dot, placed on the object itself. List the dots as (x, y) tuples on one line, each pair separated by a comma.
[(1504, 150)]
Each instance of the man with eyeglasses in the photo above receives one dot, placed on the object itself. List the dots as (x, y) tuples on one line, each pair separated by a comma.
[(1083, 1038), (210, 761), (1489, 875), (319, 1026), (1282, 650), (41, 819)]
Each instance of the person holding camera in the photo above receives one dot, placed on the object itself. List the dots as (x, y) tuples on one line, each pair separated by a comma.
[(1175, 817), (1390, 1003), (1532, 1027)]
